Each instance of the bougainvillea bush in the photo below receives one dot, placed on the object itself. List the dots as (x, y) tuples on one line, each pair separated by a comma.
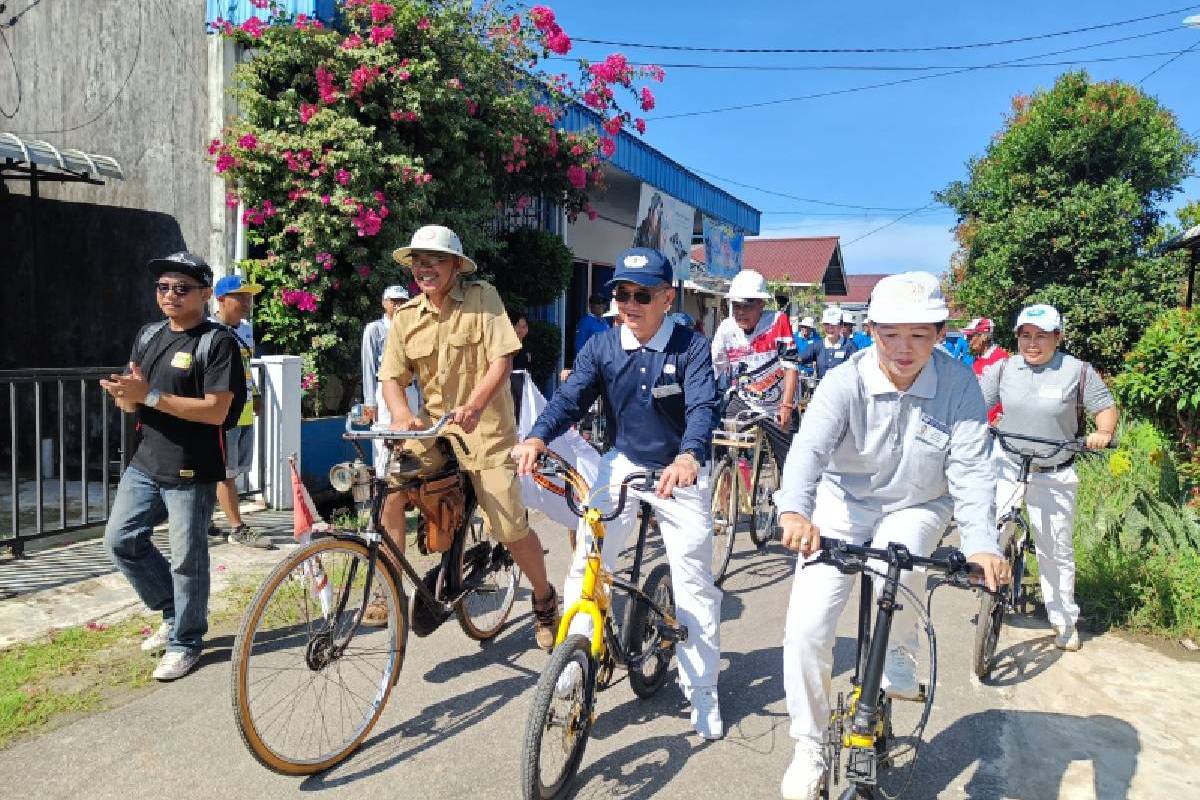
[(402, 113)]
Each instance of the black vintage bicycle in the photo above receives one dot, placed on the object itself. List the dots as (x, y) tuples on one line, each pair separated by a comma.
[(860, 723), (563, 709), (1016, 542), (310, 677)]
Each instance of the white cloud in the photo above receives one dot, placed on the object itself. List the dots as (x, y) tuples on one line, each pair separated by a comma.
[(896, 248)]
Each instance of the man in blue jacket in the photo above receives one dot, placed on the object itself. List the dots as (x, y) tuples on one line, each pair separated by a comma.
[(660, 398)]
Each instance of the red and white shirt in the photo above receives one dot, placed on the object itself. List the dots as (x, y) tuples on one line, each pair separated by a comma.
[(753, 360), (994, 355)]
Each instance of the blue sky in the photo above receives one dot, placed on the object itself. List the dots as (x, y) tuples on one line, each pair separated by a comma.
[(888, 147)]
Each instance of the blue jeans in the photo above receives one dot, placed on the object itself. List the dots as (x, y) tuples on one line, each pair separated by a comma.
[(178, 589)]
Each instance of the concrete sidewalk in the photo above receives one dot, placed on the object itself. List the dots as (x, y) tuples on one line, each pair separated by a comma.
[(73, 584)]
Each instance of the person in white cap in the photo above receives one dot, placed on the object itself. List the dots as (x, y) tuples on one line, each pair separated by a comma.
[(891, 446), (745, 349), (373, 340), (456, 340), (984, 353), (1045, 392), (833, 349)]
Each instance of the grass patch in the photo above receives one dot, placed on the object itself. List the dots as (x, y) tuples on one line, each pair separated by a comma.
[(1137, 541)]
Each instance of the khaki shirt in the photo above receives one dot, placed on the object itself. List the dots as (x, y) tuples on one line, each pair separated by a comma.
[(448, 352)]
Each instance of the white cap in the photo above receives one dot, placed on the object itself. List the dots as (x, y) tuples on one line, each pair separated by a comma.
[(396, 292), (612, 309), (748, 285), (808, 322), (831, 316), (435, 239), (848, 317), (908, 297), (1043, 316)]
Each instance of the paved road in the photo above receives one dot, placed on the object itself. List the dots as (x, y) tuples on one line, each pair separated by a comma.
[(454, 725)]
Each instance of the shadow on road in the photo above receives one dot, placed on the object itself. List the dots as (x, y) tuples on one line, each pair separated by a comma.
[(515, 641), (751, 570), (1025, 755), (639, 770), (1023, 661)]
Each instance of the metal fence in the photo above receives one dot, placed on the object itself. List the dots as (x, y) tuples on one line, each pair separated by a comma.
[(67, 446)]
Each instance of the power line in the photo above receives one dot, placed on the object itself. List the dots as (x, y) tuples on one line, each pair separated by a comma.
[(887, 225), (897, 68), (1161, 66), (897, 82), (16, 77), (15, 18), (936, 48), (795, 197)]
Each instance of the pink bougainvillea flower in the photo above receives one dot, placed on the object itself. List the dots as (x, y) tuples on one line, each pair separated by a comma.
[(613, 126), (558, 42), (224, 162), (260, 3), (577, 176), (248, 140), (423, 24), (307, 110), (351, 42), (254, 26), (647, 99), (214, 146), (608, 147), (640, 124), (92, 625), (454, 83), (403, 75), (231, 200), (326, 86), (324, 199), (379, 198), (381, 12), (342, 176), (381, 34), (363, 270), (472, 107), (543, 17)]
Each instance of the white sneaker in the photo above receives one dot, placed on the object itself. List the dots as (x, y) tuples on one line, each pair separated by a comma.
[(1066, 638), (157, 640), (175, 664), (806, 773), (706, 712), (900, 675), (568, 680)]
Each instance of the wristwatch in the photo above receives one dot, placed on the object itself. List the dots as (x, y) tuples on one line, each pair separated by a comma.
[(152, 398)]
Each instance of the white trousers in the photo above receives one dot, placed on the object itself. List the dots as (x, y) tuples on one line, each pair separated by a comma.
[(1051, 503), (686, 525), (820, 592), (383, 418)]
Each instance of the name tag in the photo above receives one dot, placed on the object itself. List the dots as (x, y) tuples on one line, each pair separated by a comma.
[(1050, 392), (182, 360), (668, 369), (666, 390), (187, 473), (839, 354), (933, 432)]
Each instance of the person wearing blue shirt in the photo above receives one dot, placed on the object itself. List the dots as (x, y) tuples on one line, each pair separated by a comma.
[(830, 351), (861, 339), (806, 334), (660, 398), (593, 323)]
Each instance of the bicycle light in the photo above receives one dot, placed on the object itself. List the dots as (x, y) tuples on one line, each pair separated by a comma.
[(352, 477)]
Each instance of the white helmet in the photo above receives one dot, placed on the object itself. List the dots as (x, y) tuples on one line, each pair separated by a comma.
[(748, 285), (908, 297), (831, 316), (808, 322)]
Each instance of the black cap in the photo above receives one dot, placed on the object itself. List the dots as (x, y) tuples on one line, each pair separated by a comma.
[(598, 299), (186, 263)]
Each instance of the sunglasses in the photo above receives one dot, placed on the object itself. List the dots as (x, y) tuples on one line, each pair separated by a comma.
[(642, 296), (177, 289)]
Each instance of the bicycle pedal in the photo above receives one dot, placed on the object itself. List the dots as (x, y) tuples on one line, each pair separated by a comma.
[(671, 633)]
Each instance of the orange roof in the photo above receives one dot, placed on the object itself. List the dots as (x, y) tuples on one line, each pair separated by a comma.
[(795, 260)]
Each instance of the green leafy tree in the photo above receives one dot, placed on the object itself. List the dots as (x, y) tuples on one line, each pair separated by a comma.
[(408, 112), (801, 299), (1063, 208)]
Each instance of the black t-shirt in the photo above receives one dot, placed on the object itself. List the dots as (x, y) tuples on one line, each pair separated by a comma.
[(522, 360), (174, 450)]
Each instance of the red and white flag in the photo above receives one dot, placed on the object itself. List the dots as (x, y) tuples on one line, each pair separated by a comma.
[(305, 520)]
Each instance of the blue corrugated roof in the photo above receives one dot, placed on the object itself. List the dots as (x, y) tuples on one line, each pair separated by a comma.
[(642, 161), (238, 11)]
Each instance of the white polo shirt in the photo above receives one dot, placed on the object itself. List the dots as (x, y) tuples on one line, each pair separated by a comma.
[(886, 450)]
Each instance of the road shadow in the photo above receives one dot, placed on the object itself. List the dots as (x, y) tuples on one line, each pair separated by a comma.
[(218, 650), (1025, 755), (435, 724), (1023, 661), (639, 770), (515, 641), (754, 569)]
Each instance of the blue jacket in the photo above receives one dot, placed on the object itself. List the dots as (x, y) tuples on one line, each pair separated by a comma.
[(826, 358), (588, 327), (660, 398)]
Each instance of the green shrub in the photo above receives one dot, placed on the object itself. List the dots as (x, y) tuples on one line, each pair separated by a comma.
[(544, 344), (1137, 542), (532, 268)]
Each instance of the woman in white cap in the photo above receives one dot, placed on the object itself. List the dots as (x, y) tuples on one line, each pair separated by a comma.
[(891, 445), (833, 349), (1044, 393)]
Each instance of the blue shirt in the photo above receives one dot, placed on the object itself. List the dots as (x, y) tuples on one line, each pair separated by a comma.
[(589, 326), (825, 356), (862, 340), (660, 398)]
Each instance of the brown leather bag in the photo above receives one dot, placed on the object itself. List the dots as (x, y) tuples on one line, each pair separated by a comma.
[(443, 504)]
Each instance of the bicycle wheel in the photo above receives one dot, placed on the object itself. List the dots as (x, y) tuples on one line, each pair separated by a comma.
[(724, 514), (987, 633), (560, 720), (1013, 537), (644, 639), (483, 611), (762, 506), (303, 698)]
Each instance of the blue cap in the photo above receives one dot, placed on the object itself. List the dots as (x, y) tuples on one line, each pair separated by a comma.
[(235, 284), (644, 266)]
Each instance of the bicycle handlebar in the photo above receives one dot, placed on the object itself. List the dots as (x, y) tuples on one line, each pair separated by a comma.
[(433, 430), (551, 464), (851, 558), (1059, 445)]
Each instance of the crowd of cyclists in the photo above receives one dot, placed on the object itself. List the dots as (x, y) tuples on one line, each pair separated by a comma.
[(892, 445)]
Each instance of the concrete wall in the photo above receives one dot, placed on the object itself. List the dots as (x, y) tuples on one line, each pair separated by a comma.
[(125, 78)]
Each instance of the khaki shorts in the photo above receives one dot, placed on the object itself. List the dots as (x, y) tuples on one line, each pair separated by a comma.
[(499, 493)]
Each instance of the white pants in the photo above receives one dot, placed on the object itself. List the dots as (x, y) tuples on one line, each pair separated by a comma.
[(383, 418), (686, 525), (819, 595), (1051, 503)]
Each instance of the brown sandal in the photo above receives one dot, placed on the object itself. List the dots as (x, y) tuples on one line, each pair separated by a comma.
[(376, 614), (545, 620)]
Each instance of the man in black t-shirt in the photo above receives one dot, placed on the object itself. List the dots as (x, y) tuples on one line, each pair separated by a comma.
[(186, 385)]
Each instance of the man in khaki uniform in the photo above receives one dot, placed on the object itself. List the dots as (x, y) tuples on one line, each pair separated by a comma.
[(457, 342)]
